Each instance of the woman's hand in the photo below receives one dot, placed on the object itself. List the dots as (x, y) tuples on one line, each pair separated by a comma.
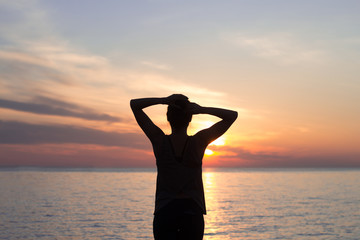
[(193, 108)]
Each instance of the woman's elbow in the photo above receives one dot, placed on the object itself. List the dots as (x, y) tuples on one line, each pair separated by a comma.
[(132, 103), (234, 116)]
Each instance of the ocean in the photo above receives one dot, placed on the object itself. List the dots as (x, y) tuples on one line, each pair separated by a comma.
[(241, 203)]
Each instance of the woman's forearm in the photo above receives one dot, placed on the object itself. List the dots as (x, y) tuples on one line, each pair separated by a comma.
[(140, 103), (224, 114)]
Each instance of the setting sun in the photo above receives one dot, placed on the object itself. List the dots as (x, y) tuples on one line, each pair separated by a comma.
[(209, 152), (218, 142)]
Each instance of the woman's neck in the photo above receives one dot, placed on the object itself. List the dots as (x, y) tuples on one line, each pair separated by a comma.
[(179, 131)]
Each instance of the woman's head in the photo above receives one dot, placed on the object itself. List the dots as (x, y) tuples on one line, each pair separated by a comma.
[(177, 115)]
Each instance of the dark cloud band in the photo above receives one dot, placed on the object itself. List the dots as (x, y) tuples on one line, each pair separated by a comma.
[(57, 108), (12, 132)]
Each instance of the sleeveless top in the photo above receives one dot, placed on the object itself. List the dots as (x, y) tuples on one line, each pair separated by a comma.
[(179, 177)]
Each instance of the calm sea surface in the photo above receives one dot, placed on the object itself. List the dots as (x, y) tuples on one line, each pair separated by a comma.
[(118, 204)]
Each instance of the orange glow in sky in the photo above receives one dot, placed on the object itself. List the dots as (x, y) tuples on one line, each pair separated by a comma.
[(290, 72)]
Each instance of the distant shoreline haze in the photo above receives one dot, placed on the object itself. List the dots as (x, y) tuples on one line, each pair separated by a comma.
[(152, 169)]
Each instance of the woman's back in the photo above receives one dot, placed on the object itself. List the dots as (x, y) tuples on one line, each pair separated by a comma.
[(179, 177)]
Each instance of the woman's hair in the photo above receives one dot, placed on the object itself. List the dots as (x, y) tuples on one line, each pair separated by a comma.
[(177, 115)]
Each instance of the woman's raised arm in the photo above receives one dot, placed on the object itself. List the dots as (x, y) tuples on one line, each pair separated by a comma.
[(149, 128), (228, 117)]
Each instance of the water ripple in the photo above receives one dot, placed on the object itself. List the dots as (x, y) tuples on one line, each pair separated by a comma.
[(119, 205)]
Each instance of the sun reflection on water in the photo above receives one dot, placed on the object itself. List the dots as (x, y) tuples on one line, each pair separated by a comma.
[(212, 204)]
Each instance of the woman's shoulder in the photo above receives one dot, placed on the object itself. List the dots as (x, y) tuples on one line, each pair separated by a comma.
[(199, 139), (159, 139)]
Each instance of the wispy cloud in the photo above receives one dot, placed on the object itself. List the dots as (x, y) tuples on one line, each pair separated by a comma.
[(155, 83), (18, 68), (54, 107), (251, 155), (156, 65), (242, 157), (282, 48)]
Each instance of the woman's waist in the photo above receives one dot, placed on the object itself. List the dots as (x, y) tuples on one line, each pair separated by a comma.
[(181, 206)]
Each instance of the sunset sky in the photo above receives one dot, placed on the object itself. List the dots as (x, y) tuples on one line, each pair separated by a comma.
[(68, 70)]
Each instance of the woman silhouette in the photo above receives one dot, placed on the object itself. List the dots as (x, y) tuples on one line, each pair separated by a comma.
[(180, 201)]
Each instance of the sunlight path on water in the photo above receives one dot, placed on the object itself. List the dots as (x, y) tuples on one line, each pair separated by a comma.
[(278, 204)]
